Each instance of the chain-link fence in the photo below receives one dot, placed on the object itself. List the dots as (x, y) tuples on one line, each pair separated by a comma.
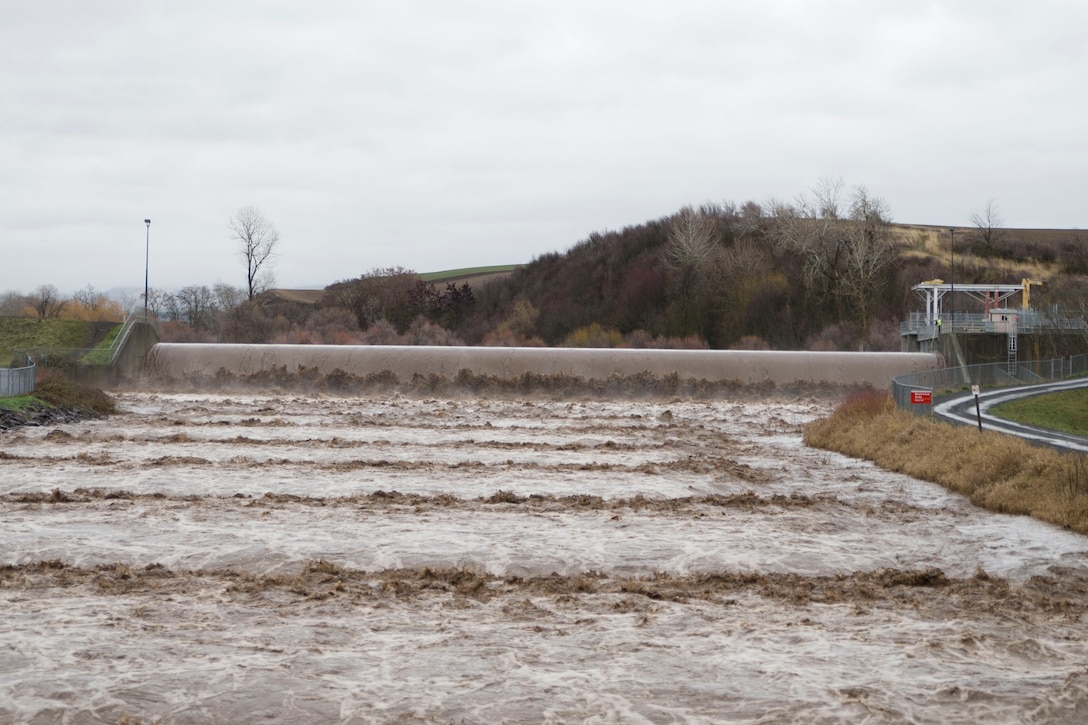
[(19, 378), (989, 375)]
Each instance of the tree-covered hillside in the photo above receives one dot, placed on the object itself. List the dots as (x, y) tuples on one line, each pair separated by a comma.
[(827, 271)]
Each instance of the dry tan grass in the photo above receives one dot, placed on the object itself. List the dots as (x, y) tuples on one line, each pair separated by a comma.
[(996, 471), (928, 241)]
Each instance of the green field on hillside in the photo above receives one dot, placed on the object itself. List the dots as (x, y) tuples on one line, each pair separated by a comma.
[(456, 274)]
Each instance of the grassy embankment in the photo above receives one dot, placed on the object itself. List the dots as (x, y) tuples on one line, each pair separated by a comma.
[(998, 472), (54, 390), (1066, 411), (24, 333)]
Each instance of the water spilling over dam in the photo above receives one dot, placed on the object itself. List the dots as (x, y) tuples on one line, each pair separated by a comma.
[(173, 360)]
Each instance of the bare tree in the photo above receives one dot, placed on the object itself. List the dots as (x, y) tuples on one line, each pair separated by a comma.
[(689, 255), (46, 301), (825, 200), (813, 229), (13, 304), (90, 298), (746, 259), (844, 243), (988, 229), (228, 297), (1074, 254), (692, 239), (237, 321), (90, 304), (196, 306), (752, 220), (870, 253), (159, 301), (257, 239)]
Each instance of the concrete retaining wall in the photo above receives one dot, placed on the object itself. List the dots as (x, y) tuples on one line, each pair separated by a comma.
[(137, 344), (175, 360)]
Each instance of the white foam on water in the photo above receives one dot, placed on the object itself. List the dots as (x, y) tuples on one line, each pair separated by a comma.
[(206, 652)]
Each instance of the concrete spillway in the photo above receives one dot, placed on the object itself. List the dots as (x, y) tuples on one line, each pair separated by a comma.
[(173, 360)]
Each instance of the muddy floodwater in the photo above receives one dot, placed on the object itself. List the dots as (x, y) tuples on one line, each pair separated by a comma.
[(285, 559)]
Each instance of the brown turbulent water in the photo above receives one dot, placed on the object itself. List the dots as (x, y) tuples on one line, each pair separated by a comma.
[(206, 558)]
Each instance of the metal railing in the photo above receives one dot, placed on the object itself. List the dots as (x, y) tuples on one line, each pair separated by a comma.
[(18, 379), (140, 314), (988, 375), (1024, 322)]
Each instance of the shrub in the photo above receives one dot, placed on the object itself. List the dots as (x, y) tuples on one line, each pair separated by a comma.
[(866, 403), (751, 342), (424, 332), (593, 335), (61, 391), (381, 332)]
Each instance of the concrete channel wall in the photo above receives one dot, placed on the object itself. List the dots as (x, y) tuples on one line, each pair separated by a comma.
[(175, 360)]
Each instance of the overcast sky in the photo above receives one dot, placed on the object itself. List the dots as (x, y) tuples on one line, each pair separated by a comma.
[(432, 134)]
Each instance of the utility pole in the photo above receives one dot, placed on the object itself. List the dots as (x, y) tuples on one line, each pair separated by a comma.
[(147, 258), (952, 294)]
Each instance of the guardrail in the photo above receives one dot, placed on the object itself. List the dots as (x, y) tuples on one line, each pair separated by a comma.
[(20, 378), (1025, 322), (989, 375)]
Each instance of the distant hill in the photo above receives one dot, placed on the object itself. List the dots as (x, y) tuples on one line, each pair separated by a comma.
[(301, 296), (722, 276), (1042, 252), (757, 291), (761, 288), (474, 277)]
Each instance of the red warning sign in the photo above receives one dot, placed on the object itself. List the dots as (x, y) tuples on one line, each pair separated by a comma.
[(921, 397)]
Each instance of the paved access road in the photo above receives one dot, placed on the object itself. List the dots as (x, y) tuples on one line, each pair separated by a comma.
[(961, 409)]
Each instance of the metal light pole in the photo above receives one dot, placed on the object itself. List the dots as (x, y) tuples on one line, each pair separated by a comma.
[(952, 294), (147, 258)]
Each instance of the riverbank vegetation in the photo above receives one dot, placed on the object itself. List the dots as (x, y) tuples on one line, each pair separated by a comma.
[(56, 399), (998, 472)]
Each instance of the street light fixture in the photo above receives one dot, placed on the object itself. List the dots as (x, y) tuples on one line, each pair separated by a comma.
[(147, 258), (952, 294)]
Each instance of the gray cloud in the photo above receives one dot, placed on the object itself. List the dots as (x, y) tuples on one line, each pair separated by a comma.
[(435, 135)]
